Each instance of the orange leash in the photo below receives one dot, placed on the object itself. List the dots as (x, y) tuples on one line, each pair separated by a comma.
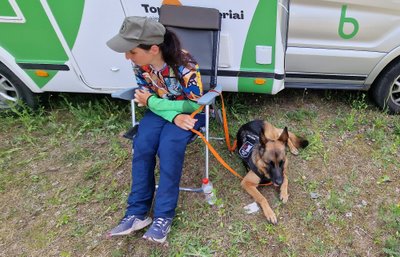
[(226, 129), (227, 139)]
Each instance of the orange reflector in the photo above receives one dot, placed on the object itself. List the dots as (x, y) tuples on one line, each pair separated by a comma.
[(259, 81), (42, 73)]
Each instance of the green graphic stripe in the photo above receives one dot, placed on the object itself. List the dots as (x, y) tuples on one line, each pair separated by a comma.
[(35, 41), (261, 32), (248, 85), (41, 80), (68, 15), (6, 9)]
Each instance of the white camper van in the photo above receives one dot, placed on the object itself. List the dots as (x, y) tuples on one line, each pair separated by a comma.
[(59, 46)]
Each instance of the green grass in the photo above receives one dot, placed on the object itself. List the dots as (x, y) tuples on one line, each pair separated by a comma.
[(65, 178)]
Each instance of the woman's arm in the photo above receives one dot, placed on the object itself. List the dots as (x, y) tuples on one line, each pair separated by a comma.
[(145, 98), (184, 121), (183, 106), (172, 111)]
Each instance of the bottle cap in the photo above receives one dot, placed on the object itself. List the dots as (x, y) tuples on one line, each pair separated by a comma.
[(205, 180)]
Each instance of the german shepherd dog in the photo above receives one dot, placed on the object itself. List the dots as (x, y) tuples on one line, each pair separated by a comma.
[(262, 148)]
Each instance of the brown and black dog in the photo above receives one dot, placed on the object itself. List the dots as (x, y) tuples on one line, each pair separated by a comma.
[(262, 148)]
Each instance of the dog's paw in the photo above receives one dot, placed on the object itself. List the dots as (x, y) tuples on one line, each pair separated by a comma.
[(294, 150), (271, 217), (284, 197)]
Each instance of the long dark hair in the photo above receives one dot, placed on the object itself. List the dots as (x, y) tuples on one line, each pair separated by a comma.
[(171, 51)]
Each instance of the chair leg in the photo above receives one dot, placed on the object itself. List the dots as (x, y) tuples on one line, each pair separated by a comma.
[(207, 137), (194, 190), (133, 113), (206, 169), (217, 113)]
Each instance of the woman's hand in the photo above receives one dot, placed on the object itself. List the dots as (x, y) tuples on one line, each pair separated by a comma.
[(184, 121), (141, 97)]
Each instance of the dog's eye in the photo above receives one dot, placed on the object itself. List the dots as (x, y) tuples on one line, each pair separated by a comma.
[(281, 163), (271, 163)]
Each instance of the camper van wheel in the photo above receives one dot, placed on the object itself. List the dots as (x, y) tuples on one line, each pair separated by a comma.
[(13, 91), (386, 91)]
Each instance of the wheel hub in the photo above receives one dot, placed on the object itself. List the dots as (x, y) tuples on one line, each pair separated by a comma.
[(8, 92), (395, 92)]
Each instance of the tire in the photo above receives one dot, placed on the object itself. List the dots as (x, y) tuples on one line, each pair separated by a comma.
[(13, 91), (386, 91)]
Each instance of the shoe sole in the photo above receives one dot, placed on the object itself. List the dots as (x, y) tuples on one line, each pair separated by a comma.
[(161, 240), (138, 226)]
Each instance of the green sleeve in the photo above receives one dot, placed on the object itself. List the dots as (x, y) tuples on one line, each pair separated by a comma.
[(181, 106), (168, 115)]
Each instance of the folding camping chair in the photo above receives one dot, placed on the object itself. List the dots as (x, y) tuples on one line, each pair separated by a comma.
[(198, 29)]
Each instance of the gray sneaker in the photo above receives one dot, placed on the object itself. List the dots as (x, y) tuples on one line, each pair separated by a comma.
[(159, 230), (128, 225)]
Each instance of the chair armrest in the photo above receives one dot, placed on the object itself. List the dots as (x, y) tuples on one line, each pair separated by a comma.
[(125, 94), (210, 96)]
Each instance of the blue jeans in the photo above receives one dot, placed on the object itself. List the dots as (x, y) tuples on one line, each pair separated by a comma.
[(157, 136)]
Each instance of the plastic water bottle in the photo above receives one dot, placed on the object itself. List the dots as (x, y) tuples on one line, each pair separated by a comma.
[(208, 191)]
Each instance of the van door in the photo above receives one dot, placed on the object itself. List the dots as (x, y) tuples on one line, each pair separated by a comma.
[(99, 66), (253, 40), (348, 37)]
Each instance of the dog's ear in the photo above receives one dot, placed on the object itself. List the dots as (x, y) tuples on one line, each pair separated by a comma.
[(284, 137), (263, 138)]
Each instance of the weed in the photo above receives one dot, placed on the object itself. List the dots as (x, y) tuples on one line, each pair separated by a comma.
[(83, 194), (390, 215), (289, 252), (239, 233), (63, 220), (269, 228), (301, 115), (282, 238), (318, 247), (79, 153), (31, 120), (335, 203), (392, 245), (358, 101), (315, 147), (383, 179), (78, 230), (308, 217), (120, 253), (94, 171), (347, 122), (97, 116), (119, 153), (396, 130), (39, 156), (65, 254), (312, 186), (56, 199), (35, 178)]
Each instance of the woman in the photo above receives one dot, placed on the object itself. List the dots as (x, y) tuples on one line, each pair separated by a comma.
[(170, 86)]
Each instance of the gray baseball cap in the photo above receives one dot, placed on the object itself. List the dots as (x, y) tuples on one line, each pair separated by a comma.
[(135, 31)]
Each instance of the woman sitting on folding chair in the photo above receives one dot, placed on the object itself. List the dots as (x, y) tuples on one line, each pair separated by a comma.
[(170, 85)]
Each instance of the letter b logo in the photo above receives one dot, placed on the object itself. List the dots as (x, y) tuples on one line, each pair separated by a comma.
[(343, 21)]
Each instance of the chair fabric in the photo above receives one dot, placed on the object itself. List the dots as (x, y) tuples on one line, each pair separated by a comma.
[(190, 17), (198, 30)]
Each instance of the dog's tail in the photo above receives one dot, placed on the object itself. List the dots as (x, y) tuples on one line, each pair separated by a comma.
[(299, 142), (295, 143)]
